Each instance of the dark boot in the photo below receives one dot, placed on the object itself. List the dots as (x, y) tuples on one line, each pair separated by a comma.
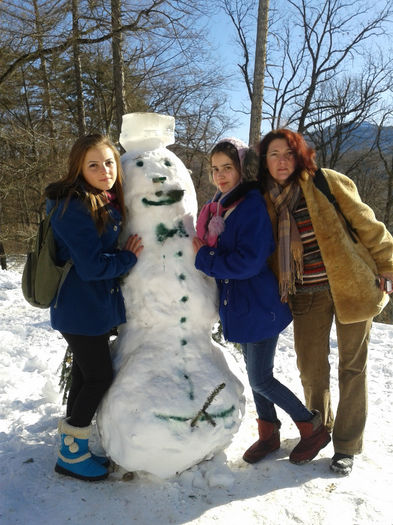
[(342, 463), (313, 437), (269, 440)]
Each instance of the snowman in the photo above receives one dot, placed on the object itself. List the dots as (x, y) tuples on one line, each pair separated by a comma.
[(174, 400)]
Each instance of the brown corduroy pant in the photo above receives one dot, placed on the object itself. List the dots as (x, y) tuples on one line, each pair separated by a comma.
[(313, 315)]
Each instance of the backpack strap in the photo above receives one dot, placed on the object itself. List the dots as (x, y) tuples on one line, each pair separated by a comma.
[(43, 228), (67, 265), (66, 268), (322, 184)]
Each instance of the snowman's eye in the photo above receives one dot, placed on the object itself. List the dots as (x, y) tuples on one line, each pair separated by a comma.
[(167, 162), (139, 163)]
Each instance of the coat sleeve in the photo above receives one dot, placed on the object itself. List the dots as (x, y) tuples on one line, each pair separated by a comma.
[(371, 232), (244, 246), (76, 229)]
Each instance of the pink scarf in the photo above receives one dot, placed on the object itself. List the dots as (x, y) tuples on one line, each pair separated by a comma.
[(211, 221)]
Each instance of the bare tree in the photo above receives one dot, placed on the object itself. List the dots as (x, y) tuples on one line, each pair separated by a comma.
[(331, 34), (64, 47), (81, 117), (344, 106), (244, 20), (259, 72), (30, 55), (118, 65), (386, 156), (46, 96), (241, 14)]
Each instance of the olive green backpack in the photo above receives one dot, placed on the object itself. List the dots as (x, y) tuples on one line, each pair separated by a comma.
[(42, 278)]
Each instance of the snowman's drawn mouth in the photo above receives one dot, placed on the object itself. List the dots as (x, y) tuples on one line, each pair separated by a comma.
[(202, 414), (171, 197)]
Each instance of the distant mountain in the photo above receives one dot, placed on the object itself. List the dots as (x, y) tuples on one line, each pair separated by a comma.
[(363, 137)]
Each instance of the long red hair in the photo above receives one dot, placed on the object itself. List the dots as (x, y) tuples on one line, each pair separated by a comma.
[(305, 154)]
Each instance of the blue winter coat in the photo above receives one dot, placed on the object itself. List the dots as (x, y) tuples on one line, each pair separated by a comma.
[(250, 305), (90, 301)]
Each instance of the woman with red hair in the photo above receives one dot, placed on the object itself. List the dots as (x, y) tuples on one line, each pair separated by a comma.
[(324, 272), (233, 244)]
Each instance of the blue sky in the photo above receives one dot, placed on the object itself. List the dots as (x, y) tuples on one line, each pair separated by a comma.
[(228, 55)]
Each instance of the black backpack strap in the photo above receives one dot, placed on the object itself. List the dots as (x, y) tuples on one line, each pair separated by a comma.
[(322, 184)]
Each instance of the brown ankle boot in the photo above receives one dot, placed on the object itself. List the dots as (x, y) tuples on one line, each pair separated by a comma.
[(269, 440), (313, 437)]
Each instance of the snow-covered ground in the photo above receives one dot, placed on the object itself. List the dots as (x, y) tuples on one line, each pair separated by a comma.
[(224, 490)]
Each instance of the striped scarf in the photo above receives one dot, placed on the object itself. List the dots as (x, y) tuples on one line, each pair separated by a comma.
[(290, 248)]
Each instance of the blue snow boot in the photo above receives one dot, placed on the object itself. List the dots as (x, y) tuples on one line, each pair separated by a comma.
[(75, 459)]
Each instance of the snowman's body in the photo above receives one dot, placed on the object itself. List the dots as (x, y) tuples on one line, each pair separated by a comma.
[(174, 400)]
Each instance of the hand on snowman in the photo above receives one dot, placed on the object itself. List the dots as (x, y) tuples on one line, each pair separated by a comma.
[(197, 243), (134, 244)]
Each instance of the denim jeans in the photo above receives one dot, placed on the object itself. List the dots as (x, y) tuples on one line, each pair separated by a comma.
[(267, 391)]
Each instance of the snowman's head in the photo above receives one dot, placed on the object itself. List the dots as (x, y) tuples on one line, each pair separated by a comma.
[(157, 184)]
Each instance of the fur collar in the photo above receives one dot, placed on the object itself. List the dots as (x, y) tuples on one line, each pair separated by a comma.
[(238, 193)]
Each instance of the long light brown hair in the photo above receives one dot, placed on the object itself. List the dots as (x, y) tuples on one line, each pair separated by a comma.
[(73, 184)]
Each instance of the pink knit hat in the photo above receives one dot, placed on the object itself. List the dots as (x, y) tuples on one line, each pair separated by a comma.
[(241, 148)]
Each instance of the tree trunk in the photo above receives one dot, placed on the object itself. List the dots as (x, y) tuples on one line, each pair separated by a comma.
[(81, 118), (46, 95), (118, 65), (259, 73), (3, 258), (389, 201), (389, 196)]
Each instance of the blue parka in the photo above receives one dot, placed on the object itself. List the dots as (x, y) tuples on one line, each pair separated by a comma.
[(250, 305), (90, 301)]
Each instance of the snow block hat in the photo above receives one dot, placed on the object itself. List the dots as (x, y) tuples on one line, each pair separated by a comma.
[(146, 131)]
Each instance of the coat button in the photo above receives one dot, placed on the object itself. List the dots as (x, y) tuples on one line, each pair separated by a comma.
[(112, 290), (226, 281), (225, 302), (211, 253), (115, 228)]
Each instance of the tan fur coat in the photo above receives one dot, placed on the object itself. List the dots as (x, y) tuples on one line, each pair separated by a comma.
[(353, 286)]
